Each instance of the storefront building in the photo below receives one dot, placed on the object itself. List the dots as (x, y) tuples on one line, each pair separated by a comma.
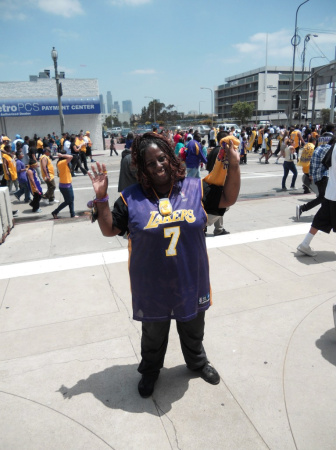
[(29, 107)]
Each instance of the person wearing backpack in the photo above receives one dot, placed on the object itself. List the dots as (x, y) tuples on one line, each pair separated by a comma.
[(325, 218)]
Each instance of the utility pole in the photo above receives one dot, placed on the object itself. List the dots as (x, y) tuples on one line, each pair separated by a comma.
[(295, 42)]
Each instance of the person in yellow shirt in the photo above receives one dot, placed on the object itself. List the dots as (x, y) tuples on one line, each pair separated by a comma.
[(81, 145), (9, 168), (260, 138), (4, 140), (315, 134), (48, 175), (65, 184), (62, 141), (251, 140), (297, 138), (308, 183), (39, 148)]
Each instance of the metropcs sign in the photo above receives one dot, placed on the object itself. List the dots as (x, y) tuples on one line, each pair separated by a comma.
[(48, 107)]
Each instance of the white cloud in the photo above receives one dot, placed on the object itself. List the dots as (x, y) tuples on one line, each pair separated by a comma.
[(19, 9), (66, 8), (144, 72), (279, 46)]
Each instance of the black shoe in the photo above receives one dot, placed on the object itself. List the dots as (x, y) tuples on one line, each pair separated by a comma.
[(209, 374), (146, 385), (220, 233)]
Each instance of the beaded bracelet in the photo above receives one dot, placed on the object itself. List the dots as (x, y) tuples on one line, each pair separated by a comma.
[(101, 200)]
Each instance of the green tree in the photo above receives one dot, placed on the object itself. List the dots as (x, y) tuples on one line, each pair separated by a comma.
[(108, 122), (242, 111), (325, 115), (112, 122)]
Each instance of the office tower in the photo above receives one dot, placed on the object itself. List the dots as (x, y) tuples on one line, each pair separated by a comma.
[(102, 104), (127, 106), (109, 102), (116, 107)]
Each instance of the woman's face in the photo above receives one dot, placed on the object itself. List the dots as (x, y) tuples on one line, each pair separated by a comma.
[(157, 166)]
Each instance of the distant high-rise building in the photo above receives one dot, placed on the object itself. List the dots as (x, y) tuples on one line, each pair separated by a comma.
[(102, 104), (109, 102), (116, 107), (127, 106)]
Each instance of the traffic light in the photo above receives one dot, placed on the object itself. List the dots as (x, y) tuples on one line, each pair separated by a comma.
[(297, 101)]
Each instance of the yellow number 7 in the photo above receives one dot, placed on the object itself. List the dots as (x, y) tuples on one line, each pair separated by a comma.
[(174, 233)]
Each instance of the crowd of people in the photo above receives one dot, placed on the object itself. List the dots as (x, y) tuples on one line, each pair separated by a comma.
[(164, 208), (26, 164)]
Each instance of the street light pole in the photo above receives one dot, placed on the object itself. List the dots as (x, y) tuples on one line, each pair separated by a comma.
[(314, 57), (54, 56), (153, 106), (306, 40), (295, 42), (211, 102)]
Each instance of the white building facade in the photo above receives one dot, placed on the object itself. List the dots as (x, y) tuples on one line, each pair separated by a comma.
[(269, 90), (29, 107)]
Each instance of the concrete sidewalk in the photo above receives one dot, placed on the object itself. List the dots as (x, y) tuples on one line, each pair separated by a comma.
[(69, 348)]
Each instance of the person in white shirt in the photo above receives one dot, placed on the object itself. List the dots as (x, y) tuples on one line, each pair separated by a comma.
[(325, 218), (264, 145), (66, 144)]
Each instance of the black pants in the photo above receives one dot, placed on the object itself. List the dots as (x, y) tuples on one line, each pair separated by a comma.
[(77, 163), (82, 157), (321, 186), (154, 342), (35, 203)]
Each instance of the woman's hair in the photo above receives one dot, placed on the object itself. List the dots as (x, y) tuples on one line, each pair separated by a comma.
[(139, 147), (31, 143)]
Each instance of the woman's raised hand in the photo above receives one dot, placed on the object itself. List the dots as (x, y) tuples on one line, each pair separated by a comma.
[(99, 180)]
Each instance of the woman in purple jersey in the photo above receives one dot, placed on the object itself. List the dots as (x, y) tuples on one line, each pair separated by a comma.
[(165, 214)]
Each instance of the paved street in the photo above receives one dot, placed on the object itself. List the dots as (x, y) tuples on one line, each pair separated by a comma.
[(69, 348)]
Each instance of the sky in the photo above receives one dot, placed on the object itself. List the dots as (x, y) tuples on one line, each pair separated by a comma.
[(164, 49)]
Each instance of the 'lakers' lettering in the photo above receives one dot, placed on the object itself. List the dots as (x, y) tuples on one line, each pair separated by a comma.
[(180, 215)]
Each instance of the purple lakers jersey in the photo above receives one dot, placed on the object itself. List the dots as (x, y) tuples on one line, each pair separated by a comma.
[(168, 265)]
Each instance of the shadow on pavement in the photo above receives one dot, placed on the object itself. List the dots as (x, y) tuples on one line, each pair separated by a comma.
[(320, 258), (327, 345), (117, 388)]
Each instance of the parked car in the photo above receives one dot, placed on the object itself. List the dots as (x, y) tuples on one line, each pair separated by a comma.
[(202, 129)]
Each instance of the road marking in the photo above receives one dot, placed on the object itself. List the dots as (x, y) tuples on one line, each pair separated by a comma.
[(261, 175), (116, 256)]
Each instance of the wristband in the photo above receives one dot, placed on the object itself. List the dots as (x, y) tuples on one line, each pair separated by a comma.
[(101, 200)]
